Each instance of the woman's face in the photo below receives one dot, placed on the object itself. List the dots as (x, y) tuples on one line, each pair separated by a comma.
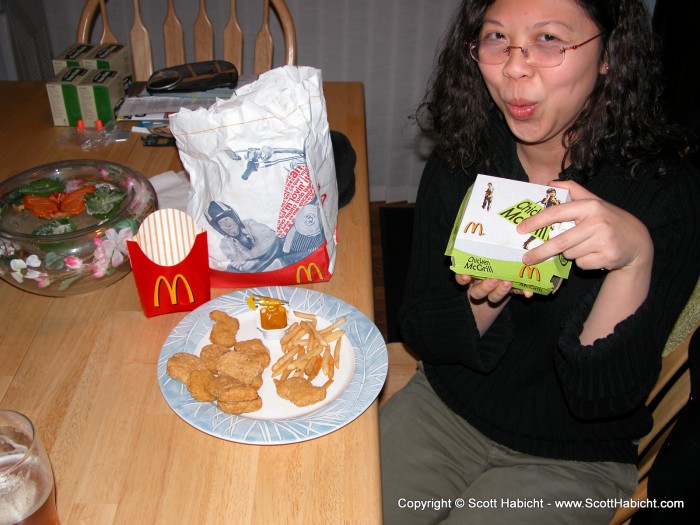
[(539, 104), (229, 226)]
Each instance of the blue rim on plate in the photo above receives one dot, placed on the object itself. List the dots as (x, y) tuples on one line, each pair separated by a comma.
[(369, 374)]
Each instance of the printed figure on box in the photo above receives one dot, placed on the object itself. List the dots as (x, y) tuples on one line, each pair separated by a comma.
[(549, 200), (488, 197)]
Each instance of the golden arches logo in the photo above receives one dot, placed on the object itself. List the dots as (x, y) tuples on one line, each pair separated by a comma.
[(308, 271), (172, 289), (531, 270), (474, 226)]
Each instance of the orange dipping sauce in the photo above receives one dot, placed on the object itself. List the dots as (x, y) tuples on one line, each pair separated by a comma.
[(273, 317)]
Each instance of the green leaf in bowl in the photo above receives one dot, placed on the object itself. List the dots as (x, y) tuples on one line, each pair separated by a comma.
[(56, 226), (103, 202)]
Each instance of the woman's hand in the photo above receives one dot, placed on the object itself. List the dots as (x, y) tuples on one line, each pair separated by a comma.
[(605, 236), (492, 290)]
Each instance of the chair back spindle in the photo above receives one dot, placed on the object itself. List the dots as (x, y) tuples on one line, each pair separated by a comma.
[(203, 35), (233, 39), (204, 38), (141, 40)]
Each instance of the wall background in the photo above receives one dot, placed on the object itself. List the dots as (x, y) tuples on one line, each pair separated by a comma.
[(389, 45)]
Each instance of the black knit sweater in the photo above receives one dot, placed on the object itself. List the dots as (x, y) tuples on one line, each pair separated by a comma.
[(528, 383)]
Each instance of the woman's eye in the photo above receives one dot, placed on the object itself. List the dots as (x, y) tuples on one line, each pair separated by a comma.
[(493, 36), (548, 38)]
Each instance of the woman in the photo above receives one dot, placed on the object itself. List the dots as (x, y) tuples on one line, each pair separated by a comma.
[(521, 403)]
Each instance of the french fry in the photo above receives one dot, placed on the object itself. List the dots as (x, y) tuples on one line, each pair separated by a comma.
[(304, 315), (291, 334), (304, 360), (336, 353), (328, 339), (308, 351), (333, 326), (327, 365), (282, 363), (313, 367)]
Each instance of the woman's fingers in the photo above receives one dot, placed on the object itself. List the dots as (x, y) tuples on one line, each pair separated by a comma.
[(603, 235), (492, 290)]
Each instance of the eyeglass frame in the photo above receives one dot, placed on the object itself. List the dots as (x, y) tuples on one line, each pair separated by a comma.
[(472, 44)]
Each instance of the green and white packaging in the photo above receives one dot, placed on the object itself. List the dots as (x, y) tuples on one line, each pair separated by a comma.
[(63, 96), (115, 57), (485, 244), (101, 94), (72, 57)]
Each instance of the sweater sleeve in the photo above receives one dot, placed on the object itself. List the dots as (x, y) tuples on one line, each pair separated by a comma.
[(436, 319), (615, 374)]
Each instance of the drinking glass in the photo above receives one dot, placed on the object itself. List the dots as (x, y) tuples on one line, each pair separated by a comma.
[(26, 480)]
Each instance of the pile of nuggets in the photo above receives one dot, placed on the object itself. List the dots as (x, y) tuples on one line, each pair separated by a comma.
[(229, 371), (226, 371)]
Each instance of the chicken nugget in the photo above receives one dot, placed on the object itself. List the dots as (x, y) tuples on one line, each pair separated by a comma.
[(301, 391), (210, 355), (200, 385), (229, 389), (240, 407), (240, 366), (254, 349), (224, 330), (180, 365)]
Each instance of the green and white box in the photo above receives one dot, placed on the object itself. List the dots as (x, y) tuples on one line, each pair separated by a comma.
[(115, 57), (485, 244), (71, 57), (63, 96), (101, 94)]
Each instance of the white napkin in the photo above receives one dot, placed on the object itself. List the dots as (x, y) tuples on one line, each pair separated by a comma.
[(172, 189)]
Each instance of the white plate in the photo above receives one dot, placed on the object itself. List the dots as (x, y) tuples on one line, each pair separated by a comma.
[(363, 366)]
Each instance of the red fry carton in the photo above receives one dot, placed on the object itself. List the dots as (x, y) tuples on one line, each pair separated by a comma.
[(170, 262)]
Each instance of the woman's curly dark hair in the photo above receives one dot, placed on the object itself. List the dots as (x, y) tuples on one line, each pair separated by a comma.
[(623, 118)]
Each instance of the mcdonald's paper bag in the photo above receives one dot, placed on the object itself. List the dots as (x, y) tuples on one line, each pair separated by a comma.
[(484, 242), (169, 259), (262, 180)]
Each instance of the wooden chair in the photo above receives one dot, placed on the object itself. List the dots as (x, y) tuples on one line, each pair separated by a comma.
[(667, 398), (402, 366), (173, 37)]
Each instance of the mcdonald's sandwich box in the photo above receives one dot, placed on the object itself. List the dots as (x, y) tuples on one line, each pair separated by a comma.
[(485, 244)]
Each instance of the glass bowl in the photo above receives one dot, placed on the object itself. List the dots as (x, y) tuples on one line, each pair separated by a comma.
[(64, 226)]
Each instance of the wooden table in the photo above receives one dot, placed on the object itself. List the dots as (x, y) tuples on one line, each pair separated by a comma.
[(83, 368)]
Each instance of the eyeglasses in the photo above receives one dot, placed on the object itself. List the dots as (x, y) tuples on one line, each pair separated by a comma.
[(537, 54)]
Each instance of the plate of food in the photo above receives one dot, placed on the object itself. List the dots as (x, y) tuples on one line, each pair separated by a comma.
[(226, 373)]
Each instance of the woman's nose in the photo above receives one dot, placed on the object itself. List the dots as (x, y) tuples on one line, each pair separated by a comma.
[(516, 65)]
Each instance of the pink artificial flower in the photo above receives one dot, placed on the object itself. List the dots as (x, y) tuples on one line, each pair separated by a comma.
[(73, 185), (42, 280), (73, 263), (102, 256)]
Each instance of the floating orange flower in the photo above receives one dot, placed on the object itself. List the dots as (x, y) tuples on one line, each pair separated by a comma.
[(59, 204)]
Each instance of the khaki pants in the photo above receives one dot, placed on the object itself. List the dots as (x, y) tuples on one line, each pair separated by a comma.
[(436, 468)]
